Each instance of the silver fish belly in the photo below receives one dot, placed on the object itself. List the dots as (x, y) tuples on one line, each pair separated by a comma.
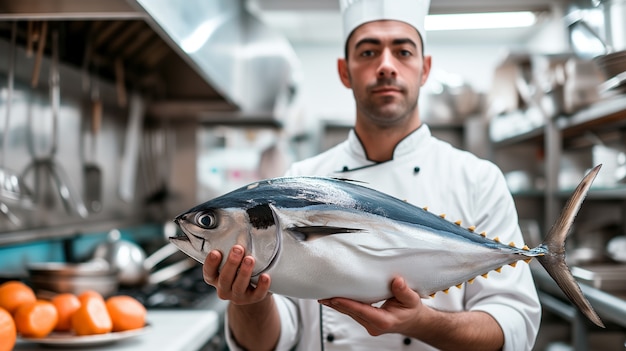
[(321, 237)]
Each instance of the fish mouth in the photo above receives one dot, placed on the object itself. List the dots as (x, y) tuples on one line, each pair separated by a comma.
[(183, 242)]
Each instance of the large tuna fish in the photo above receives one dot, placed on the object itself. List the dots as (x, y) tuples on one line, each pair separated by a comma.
[(321, 237)]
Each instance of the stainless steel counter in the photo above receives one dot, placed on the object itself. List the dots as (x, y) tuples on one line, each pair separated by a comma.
[(172, 330), (610, 307)]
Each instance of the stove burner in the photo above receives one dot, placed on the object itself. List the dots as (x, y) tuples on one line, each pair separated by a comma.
[(187, 291)]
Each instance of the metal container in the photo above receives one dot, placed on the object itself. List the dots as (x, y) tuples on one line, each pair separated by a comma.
[(606, 277), (124, 256), (59, 277), (614, 14)]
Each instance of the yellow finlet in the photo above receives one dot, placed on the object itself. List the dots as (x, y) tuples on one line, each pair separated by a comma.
[(499, 269), (443, 215), (471, 281), (485, 275), (526, 248), (446, 291), (528, 260), (472, 228), (513, 264), (432, 296), (425, 208), (458, 286), (483, 234), (458, 222), (496, 239), (512, 244)]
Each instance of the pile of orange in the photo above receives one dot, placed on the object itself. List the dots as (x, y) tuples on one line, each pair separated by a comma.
[(86, 314)]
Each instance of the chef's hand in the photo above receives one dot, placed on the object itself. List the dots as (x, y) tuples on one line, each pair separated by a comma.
[(233, 280), (399, 314)]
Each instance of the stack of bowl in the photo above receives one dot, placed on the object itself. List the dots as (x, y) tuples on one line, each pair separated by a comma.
[(613, 65), (59, 277)]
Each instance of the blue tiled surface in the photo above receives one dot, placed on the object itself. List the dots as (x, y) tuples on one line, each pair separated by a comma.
[(14, 258)]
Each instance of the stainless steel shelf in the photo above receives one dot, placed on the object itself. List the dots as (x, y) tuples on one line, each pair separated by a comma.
[(609, 307), (616, 193), (534, 136), (606, 113), (64, 231)]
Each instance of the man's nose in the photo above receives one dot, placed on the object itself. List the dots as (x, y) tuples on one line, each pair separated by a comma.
[(386, 68)]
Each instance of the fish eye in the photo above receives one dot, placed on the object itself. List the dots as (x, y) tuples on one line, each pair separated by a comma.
[(206, 220)]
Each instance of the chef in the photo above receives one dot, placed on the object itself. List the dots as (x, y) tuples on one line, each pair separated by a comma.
[(392, 150)]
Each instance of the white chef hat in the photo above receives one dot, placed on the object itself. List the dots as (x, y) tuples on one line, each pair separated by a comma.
[(358, 12)]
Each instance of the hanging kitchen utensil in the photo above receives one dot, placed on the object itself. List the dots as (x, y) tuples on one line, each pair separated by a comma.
[(44, 165), (11, 186), (159, 142), (40, 37), (120, 85), (131, 148), (91, 171)]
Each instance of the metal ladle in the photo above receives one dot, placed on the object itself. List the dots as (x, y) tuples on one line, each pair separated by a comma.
[(11, 186), (45, 166)]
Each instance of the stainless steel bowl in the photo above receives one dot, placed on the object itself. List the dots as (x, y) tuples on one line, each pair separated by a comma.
[(74, 278)]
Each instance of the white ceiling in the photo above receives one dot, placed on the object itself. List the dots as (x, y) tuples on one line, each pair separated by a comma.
[(319, 20), (436, 6)]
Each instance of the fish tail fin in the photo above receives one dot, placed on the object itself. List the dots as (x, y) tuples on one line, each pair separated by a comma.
[(554, 260)]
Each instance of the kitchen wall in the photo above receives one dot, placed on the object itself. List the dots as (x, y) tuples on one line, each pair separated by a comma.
[(45, 222), (473, 55)]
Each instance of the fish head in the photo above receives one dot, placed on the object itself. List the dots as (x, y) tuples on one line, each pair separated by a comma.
[(207, 228)]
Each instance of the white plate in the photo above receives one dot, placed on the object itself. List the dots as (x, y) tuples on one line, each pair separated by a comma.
[(67, 339)]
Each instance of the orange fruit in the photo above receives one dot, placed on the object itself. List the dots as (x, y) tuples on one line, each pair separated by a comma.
[(89, 294), (14, 293), (126, 312), (36, 319), (66, 304), (92, 316), (8, 333)]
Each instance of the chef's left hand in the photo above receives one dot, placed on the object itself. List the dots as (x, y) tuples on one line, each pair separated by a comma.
[(399, 314)]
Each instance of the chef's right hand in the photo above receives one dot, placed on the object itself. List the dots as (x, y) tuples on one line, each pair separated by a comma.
[(233, 280)]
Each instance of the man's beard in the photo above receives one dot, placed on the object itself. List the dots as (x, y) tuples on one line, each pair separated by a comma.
[(386, 110)]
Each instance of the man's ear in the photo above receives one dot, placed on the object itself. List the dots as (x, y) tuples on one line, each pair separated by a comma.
[(342, 68), (426, 68)]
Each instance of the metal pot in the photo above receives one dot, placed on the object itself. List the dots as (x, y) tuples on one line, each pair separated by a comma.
[(59, 277), (133, 267), (124, 256)]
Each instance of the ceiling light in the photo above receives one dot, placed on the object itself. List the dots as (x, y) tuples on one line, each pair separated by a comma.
[(480, 20)]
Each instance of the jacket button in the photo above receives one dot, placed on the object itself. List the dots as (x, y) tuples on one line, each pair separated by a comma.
[(330, 337), (407, 341)]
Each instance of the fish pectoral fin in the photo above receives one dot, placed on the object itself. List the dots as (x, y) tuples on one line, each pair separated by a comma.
[(308, 233)]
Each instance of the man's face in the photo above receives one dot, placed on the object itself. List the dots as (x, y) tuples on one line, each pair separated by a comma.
[(385, 69)]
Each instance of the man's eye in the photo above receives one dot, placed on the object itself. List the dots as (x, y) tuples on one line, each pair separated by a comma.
[(206, 220), (367, 53), (405, 53)]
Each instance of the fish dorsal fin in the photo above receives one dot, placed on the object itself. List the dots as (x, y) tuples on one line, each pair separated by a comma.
[(348, 180), (309, 233)]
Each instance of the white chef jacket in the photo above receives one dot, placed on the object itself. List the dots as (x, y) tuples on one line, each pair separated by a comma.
[(426, 172)]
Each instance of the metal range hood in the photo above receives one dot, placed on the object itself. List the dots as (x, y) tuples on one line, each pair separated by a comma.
[(214, 59), (249, 64)]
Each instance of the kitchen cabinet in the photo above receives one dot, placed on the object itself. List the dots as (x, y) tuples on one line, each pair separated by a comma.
[(554, 157)]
